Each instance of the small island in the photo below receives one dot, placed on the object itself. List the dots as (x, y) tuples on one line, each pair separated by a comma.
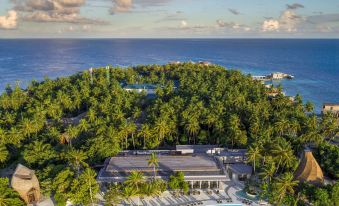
[(174, 134)]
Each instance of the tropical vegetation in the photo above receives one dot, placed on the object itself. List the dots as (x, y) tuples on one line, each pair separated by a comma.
[(64, 128)]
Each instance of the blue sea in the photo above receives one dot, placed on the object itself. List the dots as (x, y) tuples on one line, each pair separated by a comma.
[(314, 63)]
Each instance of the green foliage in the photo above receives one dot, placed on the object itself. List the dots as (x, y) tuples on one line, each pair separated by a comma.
[(113, 196), (84, 188), (3, 154), (177, 182), (328, 157), (321, 196), (8, 197), (78, 121), (39, 153)]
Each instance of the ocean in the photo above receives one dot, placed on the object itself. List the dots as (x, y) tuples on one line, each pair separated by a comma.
[(313, 62)]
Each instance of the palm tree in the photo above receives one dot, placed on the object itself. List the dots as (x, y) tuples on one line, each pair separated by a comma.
[(3, 154), (113, 196), (285, 184), (72, 133), (254, 154), (135, 180), (145, 133), (161, 128), (309, 107), (283, 154), (281, 126), (192, 127), (268, 172), (126, 129), (83, 125), (132, 127), (153, 161), (128, 192), (235, 133), (90, 178), (27, 127), (77, 159)]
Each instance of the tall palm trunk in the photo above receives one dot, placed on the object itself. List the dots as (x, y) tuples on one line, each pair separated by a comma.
[(133, 141), (90, 193), (154, 172), (126, 143)]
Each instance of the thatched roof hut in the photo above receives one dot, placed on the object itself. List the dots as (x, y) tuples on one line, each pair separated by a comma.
[(309, 169), (26, 184)]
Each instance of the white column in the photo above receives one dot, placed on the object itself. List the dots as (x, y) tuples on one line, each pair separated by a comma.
[(200, 184), (209, 185)]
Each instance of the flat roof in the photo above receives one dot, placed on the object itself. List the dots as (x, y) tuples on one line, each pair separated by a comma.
[(168, 163), (240, 168), (331, 104), (140, 86), (233, 152), (196, 148)]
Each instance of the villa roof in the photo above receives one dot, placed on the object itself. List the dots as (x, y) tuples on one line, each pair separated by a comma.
[(166, 163), (140, 86), (240, 168), (309, 170), (196, 148), (233, 152), (25, 180), (193, 166), (331, 104)]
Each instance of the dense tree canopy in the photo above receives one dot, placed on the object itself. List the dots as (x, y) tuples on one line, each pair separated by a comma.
[(62, 127)]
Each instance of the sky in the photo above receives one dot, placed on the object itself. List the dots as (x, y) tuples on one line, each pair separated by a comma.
[(169, 19)]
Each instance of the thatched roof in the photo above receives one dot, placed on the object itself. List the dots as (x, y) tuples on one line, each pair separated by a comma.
[(309, 169), (24, 181)]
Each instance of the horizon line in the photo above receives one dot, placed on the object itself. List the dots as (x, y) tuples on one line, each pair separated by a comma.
[(173, 38)]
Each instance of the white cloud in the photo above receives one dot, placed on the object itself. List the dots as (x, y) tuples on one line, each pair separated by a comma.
[(123, 6), (66, 11), (287, 22), (183, 24), (120, 6), (233, 26), (9, 21), (270, 25)]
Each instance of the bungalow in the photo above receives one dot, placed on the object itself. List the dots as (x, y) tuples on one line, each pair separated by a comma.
[(331, 107), (139, 88), (25, 182), (205, 63)]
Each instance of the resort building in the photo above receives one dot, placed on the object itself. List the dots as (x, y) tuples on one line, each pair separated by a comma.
[(309, 169), (139, 88), (174, 62), (331, 107), (201, 171), (204, 166), (234, 162), (205, 63), (261, 78), (277, 75), (25, 182)]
